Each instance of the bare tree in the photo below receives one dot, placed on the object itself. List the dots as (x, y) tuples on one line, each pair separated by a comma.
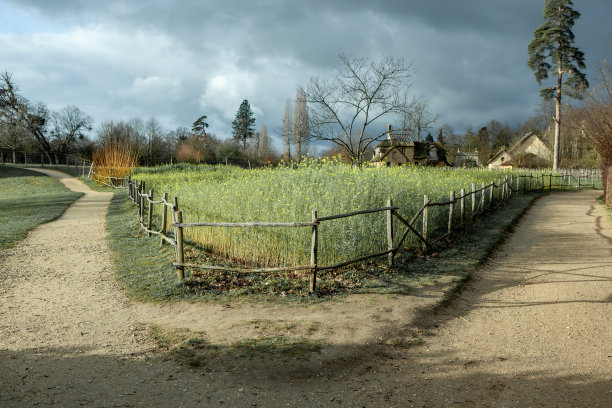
[(417, 118), (597, 115), (287, 132), (68, 125), (16, 111), (363, 92), (301, 128), (264, 142)]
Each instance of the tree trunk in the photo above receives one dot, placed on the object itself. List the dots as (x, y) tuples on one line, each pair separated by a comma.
[(606, 177), (557, 118)]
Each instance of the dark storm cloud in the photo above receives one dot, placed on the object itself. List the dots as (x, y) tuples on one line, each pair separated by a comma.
[(177, 60)]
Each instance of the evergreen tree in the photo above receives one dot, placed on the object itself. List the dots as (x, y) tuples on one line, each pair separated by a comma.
[(243, 127), (552, 52), (200, 125)]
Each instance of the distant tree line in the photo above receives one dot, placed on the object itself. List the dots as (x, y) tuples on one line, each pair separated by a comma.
[(31, 128)]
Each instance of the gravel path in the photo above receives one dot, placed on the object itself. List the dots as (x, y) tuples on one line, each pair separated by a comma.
[(532, 329)]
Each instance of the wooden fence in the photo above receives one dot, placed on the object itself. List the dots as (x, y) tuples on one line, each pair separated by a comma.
[(461, 208)]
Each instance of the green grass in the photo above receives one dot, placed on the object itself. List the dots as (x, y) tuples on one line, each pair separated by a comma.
[(192, 350), (29, 199), (231, 194), (145, 271)]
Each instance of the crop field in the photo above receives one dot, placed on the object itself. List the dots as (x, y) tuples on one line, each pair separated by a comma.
[(282, 194)]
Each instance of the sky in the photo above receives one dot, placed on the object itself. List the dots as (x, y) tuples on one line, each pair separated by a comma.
[(178, 60)]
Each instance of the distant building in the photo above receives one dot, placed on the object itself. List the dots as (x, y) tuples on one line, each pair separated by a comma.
[(467, 159), (529, 144), (392, 151)]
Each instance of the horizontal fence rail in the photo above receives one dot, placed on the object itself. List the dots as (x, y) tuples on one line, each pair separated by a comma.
[(462, 207)]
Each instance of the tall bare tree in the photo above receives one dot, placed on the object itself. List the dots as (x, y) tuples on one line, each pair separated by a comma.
[(597, 124), (16, 111), (287, 132), (301, 127), (68, 125), (363, 93), (418, 119), (264, 142)]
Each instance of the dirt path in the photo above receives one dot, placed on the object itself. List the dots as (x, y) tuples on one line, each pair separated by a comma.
[(532, 329)]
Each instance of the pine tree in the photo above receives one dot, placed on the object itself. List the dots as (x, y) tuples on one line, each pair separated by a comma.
[(301, 129), (243, 127), (552, 52)]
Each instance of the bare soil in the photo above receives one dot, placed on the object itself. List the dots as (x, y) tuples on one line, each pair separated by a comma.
[(531, 329)]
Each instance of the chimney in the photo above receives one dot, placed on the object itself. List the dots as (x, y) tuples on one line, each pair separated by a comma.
[(388, 132)]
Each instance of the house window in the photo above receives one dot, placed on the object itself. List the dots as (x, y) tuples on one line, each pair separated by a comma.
[(394, 155)]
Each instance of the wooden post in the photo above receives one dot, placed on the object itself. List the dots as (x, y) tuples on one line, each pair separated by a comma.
[(510, 183), (482, 197), (451, 211), (180, 255), (138, 186), (425, 220), (462, 206), (569, 179), (506, 189), (518, 185), (390, 231), (150, 213), (491, 195), (83, 168), (163, 222), (314, 253), (142, 189), (42, 160), (550, 181), (473, 199)]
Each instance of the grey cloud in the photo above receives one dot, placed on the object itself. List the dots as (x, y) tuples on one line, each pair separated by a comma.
[(469, 56)]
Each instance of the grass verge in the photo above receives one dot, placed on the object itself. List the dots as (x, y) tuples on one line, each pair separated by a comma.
[(29, 199), (145, 270), (190, 349)]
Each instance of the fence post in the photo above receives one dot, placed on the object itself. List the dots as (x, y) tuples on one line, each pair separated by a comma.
[(491, 195), (180, 255), (451, 211), (518, 185), (142, 190), (462, 206), (390, 231), (473, 199), (550, 181), (138, 192), (425, 220), (506, 190), (83, 168), (164, 216), (314, 253), (42, 160), (150, 213), (482, 196)]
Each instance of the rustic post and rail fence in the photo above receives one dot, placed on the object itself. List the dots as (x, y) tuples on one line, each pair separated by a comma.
[(486, 198)]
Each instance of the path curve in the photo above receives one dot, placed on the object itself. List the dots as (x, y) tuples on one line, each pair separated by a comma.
[(532, 329)]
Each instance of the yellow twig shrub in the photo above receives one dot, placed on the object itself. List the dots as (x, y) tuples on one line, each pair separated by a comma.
[(113, 163)]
